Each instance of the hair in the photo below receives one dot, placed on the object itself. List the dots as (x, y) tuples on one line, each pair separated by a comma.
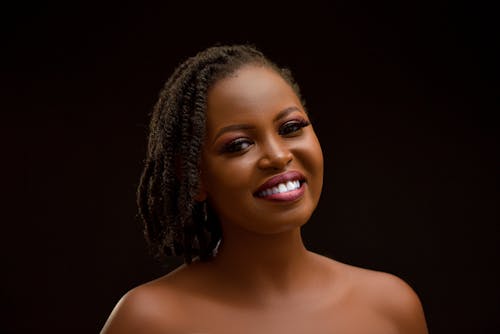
[(174, 222)]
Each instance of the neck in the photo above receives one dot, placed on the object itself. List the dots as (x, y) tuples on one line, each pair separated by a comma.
[(263, 262)]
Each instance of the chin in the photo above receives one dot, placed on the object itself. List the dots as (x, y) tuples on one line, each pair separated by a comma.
[(283, 223)]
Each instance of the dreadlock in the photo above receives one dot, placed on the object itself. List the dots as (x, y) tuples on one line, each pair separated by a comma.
[(174, 222)]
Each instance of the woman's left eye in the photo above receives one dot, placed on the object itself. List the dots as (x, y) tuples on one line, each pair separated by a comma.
[(292, 127)]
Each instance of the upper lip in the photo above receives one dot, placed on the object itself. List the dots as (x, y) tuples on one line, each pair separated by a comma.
[(281, 178)]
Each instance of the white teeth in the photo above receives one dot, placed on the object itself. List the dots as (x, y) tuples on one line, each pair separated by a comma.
[(281, 188), (290, 186)]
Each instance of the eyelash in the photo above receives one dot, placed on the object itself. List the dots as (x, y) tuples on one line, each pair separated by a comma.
[(294, 126), (288, 129)]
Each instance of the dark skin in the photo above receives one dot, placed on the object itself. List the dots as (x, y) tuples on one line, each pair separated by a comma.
[(263, 279)]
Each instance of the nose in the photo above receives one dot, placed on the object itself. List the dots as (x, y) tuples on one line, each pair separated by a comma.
[(276, 155)]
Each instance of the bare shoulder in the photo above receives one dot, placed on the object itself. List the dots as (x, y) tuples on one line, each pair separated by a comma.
[(390, 296), (148, 308)]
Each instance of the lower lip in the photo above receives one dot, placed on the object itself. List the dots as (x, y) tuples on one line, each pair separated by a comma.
[(286, 196)]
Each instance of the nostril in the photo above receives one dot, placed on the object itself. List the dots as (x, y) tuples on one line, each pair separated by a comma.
[(275, 156)]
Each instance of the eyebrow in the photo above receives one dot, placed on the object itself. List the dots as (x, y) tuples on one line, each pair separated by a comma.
[(235, 127)]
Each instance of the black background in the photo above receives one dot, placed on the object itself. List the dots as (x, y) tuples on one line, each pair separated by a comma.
[(402, 96)]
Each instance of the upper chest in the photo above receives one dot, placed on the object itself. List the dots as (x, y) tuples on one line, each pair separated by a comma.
[(311, 318)]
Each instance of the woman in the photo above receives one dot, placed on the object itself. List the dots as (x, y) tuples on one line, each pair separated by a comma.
[(234, 169)]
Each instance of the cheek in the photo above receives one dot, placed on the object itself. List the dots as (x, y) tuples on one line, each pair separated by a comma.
[(229, 189), (318, 154), (310, 156), (228, 179), (310, 153)]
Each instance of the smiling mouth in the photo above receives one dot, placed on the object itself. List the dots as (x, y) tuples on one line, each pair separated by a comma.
[(281, 188)]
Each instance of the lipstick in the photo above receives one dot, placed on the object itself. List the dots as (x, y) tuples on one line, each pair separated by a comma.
[(288, 186)]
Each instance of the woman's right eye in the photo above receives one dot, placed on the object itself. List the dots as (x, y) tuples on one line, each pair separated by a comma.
[(237, 145)]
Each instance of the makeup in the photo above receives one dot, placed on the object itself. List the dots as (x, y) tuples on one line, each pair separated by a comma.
[(263, 165), (288, 186)]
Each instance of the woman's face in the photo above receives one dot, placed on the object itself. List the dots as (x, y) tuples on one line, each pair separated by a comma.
[(262, 165)]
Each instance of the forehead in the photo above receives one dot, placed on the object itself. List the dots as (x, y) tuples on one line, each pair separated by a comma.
[(251, 92)]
